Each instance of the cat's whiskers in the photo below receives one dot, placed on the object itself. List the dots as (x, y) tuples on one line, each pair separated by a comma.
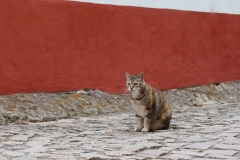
[(125, 90)]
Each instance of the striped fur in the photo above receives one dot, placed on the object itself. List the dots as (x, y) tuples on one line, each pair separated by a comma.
[(151, 107)]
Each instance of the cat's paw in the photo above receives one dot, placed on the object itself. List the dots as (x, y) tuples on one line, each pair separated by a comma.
[(145, 130), (137, 129)]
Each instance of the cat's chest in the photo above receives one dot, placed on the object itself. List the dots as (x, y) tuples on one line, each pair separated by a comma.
[(138, 108)]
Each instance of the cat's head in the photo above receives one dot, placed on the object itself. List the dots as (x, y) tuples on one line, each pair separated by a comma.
[(135, 83)]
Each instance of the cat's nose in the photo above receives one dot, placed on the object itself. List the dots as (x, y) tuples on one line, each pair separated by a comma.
[(131, 87)]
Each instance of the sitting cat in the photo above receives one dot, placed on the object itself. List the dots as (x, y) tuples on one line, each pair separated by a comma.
[(151, 107)]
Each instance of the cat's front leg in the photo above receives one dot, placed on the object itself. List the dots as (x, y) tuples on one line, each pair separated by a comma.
[(147, 122), (139, 123)]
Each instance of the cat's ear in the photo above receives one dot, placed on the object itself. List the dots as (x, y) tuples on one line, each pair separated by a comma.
[(127, 75), (141, 76)]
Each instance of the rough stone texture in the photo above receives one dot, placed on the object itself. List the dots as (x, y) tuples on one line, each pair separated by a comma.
[(152, 153), (19, 138), (13, 154), (199, 146), (40, 107), (25, 158), (212, 94), (96, 125), (194, 134), (221, 152)]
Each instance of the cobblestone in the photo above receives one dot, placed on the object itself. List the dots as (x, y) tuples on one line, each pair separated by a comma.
[(111, 136), (221, 152), (200, 146), (96, 125)]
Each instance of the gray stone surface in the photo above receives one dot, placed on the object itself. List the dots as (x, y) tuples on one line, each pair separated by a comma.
[(40, 107), (96, 125), (19, 138), (200, 146), (196, 153), (3, 158), (152, 153), (176, 156), (12, 154), (25, 158), (221, 152), (11, 143), (193, 134), (227, 146)]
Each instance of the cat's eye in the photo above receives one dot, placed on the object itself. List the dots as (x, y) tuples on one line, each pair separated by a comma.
[(128, 83), (135, 84)]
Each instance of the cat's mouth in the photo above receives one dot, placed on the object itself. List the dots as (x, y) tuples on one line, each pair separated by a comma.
[(134, 93), (132, 90)]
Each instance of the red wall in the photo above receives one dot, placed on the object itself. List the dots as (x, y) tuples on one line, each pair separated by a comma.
[(56, 45)]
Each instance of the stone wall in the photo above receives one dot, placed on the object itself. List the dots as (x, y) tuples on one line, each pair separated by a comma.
[(39, 107)]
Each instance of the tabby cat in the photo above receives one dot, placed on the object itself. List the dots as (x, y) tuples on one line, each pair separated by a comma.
[(151, 107)]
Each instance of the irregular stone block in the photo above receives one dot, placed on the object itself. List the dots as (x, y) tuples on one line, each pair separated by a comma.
[(13, 154), (90, 110), (199, 146), (2, 120)]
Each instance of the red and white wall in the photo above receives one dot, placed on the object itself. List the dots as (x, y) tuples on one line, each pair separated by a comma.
[(56, 45)]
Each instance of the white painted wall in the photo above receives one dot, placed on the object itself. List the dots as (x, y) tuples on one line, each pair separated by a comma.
[(216, 6)]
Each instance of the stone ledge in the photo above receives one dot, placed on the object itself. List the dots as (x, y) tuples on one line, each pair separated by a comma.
[(39, 107)]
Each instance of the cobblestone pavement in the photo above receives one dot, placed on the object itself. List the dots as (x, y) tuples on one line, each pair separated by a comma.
[(206, 132)]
